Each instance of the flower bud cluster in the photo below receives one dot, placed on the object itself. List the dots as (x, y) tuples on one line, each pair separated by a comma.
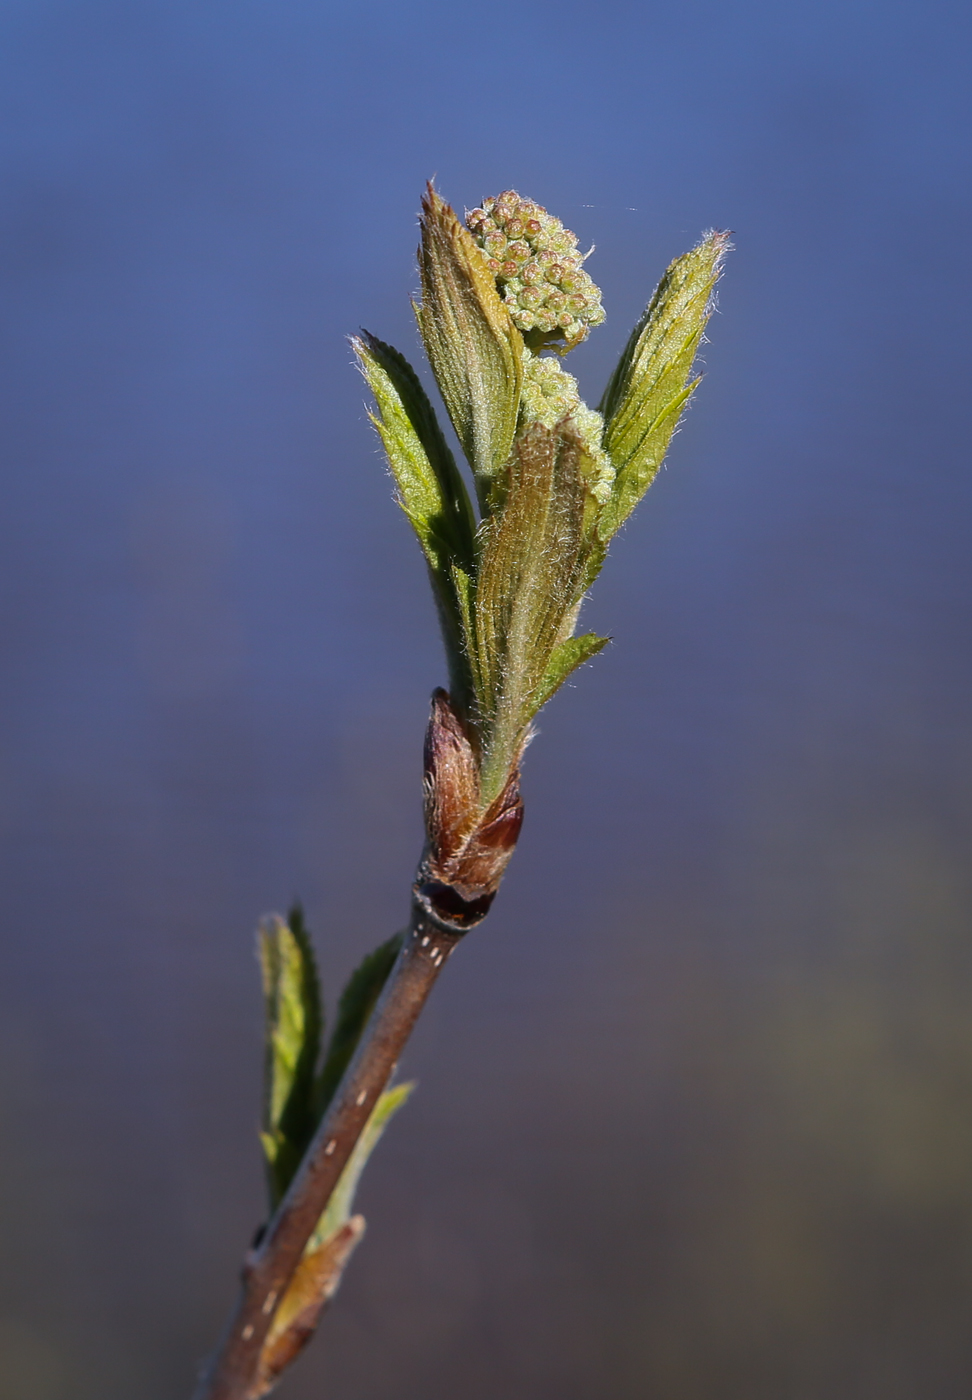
[(549, 396), (537, 267)]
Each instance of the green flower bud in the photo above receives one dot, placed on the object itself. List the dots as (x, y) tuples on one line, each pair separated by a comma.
[(526, 245), (549, 397)]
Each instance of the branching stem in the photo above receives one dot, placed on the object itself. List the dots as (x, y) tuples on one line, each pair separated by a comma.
[(268, 1268)]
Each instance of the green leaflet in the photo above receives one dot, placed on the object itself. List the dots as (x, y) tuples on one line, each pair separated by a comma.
[(293, 1037), (530, 580), (296, 1096), (566, 657), (475, 350), (340, 1205), (431, 491), (354, 1008), (649, 387)]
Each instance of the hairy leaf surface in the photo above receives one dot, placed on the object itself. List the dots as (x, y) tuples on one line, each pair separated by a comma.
[(650, 386), (475, 350)]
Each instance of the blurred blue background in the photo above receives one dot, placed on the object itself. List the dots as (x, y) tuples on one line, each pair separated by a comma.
[(695, 1107)]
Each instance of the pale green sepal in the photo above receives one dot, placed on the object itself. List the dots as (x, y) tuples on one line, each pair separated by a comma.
[(475, 350), (339, 1207), (565, 659), (649, 388), (293, 1036)]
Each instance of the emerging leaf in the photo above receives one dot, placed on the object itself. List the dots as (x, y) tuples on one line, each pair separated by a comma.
[(565, 659), (431, 490), (312, 1287), (319, 1273), (474, 348), (339, 1207), (293, 1037), (531, 579), (651, 384)]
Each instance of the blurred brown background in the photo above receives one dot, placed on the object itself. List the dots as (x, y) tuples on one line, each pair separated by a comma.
[(694, 1118)]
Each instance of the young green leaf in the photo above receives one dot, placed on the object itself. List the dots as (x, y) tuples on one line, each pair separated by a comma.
[(533, 561), (326, 1255), (356, 1005), (566, 658), (475, 350), (432, 492), (650, 386), (293, 1036), (339, 1207)]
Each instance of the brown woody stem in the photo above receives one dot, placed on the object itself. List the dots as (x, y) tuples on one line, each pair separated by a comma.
[(269, 1267)]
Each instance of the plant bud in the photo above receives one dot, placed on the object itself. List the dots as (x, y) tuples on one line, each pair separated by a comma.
[(515, 231), (468, 848)]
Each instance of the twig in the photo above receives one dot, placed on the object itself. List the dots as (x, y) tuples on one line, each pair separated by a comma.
[(269, 1267), (555, 481)]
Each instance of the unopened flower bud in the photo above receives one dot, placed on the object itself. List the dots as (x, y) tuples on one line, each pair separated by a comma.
[(531, 247)]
